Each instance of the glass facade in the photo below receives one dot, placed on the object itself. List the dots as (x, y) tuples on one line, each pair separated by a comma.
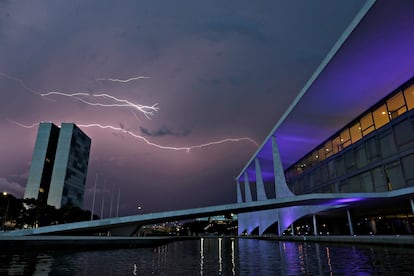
[(374, 153)]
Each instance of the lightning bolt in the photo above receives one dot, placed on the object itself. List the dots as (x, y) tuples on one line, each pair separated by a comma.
[(187, 148), (146, 141), (124, 81), (145, 109), (20, 81), (22, 125)]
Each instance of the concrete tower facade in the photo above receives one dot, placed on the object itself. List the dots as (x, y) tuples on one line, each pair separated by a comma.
[(41, 168), (60, 162)]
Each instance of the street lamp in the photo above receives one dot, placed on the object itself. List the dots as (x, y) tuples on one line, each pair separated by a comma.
[(7, 207)]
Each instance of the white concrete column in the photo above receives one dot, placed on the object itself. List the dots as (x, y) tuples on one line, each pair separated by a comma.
[(412, 205), (292, 229), (247, 193), (351, 227), (279, 224), (261, 194), (315, 225), (239, 195), (281, 187)]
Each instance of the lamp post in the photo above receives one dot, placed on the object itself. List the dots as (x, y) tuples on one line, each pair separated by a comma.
[(5, 194)]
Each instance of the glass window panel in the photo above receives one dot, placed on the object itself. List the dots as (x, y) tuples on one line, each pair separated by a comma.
[(315, 157), (372, 149), (340, 166), (404, 134), (367, 124), (344, 186), (354, 184), (304, 183), (335, 187), (315, 180), (367, 121), (366, 182), (349, 160), (368, 130), (379, 179), (380, 116), (409, 96), (331, 169), (408, 166), (292, 186), (345, 138), (361, 157), (328, 189), (356, 133), (321, 154), (336, 145), (324, 173), (395, 176), (387, 144), (328, 148), (396, 105), (310, 160)]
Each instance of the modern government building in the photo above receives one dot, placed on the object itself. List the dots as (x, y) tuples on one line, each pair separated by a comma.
[(59, 165), (349, 131)]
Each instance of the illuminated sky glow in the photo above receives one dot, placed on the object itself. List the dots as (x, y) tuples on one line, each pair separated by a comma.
[(213, 77)]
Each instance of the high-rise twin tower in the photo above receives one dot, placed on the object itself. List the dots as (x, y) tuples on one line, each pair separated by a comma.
[(59, 165)]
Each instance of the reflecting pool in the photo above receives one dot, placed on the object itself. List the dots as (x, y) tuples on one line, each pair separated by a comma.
[(215, 256)]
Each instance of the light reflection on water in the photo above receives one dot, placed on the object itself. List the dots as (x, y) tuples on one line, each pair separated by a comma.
[(215, 256)]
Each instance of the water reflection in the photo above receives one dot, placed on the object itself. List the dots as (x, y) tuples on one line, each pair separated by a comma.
[(215, 256)]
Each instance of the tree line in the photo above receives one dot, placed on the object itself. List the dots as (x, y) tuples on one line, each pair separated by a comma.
[(17, 213)]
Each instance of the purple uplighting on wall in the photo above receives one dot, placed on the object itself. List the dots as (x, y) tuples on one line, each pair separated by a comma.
[(375, 59), (345, 200)]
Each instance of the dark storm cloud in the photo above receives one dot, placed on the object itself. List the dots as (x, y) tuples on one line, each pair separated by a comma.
[(11, 187), (163, 131), (219, 28), (207, 63), (228, 80)]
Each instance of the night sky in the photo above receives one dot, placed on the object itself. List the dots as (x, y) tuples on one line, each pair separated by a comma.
[(164, 77)]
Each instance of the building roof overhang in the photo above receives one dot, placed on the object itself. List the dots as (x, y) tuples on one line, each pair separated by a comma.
[(372, 58)]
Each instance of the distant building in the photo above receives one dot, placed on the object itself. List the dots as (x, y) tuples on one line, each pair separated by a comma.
[(59, 165)]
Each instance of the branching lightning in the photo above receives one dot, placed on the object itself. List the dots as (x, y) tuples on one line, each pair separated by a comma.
[(147, 110), (145, 140), (116, 102), (124, 81), (20, 81), (187, 148), (22, 125)]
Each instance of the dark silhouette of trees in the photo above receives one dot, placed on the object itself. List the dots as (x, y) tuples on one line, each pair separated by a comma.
[(30, 213)]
